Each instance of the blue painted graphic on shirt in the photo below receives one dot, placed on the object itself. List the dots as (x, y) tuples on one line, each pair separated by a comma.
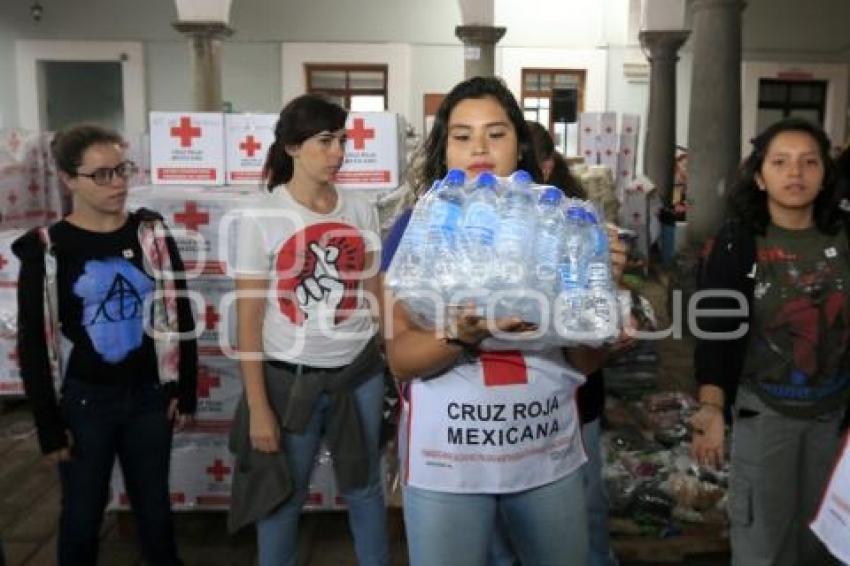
[(113, 293)]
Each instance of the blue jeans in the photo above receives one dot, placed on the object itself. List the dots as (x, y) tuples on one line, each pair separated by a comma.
[(546, 525), (106, 421), (277, 534), (599, 551)]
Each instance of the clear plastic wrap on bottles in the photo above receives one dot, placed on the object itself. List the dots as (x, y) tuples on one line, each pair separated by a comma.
[(510, 248)]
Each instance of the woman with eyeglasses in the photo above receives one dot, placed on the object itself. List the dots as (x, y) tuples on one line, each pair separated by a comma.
[(107, 350), (306, 268)]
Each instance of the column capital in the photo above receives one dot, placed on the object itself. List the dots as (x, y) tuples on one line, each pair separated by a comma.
[(663, 44), (479, 35), (213, 30)]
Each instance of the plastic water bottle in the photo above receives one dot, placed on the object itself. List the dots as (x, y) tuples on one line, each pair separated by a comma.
[(514, 239), (444, 218), (480, 221), (602, 302), (549, 240), (569, 320), (411, 259)]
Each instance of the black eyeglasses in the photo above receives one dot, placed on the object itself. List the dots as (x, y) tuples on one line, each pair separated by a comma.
[(104, 175)]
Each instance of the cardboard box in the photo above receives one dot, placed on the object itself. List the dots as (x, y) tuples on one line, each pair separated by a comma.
[(187, 148), (216, 317), (247, 140), (10, 375), (200, 477), (373, 153), (219, 390), (194, 215)]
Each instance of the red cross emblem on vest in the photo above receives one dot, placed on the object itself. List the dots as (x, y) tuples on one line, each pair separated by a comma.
[(218, 470), (3, 262), (505, 367), (185, 132), (191, 217), (360, 133), (250, 146)]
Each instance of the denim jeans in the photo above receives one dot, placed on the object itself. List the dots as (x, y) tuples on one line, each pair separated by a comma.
[(106, 421), (277, 534), (547, 525), (599, 549)]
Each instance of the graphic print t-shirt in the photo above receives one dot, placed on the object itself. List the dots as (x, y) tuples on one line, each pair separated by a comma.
[(797, 358), (316, 313), (102, 290)]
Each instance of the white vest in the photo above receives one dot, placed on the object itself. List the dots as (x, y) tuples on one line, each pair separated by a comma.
[(505, 423)]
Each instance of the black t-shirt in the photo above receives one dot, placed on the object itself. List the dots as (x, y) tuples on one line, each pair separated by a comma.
[(102, 287)]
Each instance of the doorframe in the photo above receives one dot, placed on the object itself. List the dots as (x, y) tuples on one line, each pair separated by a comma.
[(130, 54)]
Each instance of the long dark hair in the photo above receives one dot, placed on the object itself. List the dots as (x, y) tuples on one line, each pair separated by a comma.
[(302, 118), (544, 148), (748, 204), (429, 162)]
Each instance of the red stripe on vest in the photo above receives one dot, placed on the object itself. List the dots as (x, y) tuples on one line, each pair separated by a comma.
[(504, 368)]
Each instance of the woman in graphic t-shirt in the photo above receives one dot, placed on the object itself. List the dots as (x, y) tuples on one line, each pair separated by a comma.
[(123, 384), (485, 433), (783, 363), (306, 261)]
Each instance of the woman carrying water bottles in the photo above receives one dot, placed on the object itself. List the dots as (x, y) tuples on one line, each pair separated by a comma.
[(485, 434)]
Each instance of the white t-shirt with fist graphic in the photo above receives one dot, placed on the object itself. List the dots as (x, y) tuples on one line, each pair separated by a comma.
[(316, 311)]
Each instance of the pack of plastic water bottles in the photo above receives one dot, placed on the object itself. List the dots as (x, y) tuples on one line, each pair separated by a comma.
[(508, 248)]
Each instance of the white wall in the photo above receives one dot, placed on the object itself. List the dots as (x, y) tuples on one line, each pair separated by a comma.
[(835, 115), (395, 55), (563, 23), (433, 69)]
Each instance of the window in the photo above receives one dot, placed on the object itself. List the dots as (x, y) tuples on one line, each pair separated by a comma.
[(360, 88), (553, 97), (780, 99)]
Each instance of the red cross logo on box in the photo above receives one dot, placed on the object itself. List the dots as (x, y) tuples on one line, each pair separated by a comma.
[(33, 187), (207, 381), (211, 317), (191, 217), (185, 132), (250, 146), (360, 133), (218, 470)]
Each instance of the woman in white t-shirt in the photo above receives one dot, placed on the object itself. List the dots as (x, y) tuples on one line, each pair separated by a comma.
[(306, 258), (485, 434)]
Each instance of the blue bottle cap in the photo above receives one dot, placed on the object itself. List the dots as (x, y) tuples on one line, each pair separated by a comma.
[(521, 177), (487, 179), (576, 213), (455, 177), (551, 195)]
